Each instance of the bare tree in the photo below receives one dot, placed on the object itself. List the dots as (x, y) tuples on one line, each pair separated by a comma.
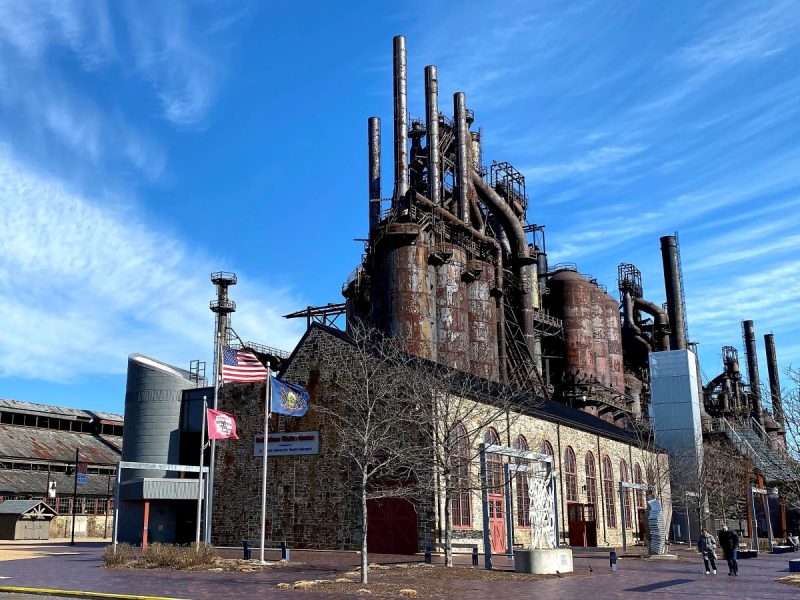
[(375, 420), (458, 411), (790, 400)]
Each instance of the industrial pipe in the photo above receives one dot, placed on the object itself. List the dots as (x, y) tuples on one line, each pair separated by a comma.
[(400, 119), (505, 216), (463, 168), (374, 126), (630, 325), (774, 379), (660, 319), (674, 288), (432, 135), (752, 369)]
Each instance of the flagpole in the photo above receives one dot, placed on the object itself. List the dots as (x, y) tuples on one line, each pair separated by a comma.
[(267, 407), (210, 476), (200, 475)]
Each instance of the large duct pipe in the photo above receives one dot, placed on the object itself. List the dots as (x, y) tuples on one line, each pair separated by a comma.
[(752, 369), (374, 172), (774, 379), (463, 168), (400, 119), (432, 135), (674, 289), (660, 320), (630, 325), (505, 216)]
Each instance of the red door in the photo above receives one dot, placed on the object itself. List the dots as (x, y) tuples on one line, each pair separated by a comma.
[(391, 526), (582, 525), (497, 524), (577, 525)]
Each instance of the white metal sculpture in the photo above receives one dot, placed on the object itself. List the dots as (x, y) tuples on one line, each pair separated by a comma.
[(542, 507), (657, 527)]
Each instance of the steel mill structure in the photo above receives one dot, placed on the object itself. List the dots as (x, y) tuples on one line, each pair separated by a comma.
[(453, 267)]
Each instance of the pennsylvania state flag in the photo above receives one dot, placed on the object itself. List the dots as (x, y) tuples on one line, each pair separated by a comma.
[(288, 399)]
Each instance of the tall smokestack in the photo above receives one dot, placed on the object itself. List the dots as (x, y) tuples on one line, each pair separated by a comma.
[(432, 135), (774, 379), (752, 369), (400, 118), (374, 172), (463, 168), (674, 288)]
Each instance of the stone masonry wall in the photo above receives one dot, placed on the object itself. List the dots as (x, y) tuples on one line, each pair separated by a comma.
[(310, 498)]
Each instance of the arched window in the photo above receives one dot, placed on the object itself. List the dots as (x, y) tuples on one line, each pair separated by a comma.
[(523, 500), (494, 463), (623, 476), (460, 510), (571, 474), (608, 492), (547, 449), (591, 485), (637, 478)]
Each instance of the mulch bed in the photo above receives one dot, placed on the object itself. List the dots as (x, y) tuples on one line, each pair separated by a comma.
[(414, 580)]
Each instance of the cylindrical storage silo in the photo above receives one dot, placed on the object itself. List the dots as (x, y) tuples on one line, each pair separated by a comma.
[(599, 326), (571, 299), (153, 395), (483, 359), (408, 307), (616, 367), (452, 310)]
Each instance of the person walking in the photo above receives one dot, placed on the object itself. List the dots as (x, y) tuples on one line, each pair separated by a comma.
[(729, 541), (706, 546)]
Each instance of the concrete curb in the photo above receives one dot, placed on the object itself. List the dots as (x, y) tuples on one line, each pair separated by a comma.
[(7, 589)]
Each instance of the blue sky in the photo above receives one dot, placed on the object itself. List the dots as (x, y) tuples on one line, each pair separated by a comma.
[(145, 144)]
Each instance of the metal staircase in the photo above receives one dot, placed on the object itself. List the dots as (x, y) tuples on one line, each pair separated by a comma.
[(773, 467)]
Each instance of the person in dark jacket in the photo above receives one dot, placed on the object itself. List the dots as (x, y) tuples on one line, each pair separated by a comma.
[(706, 546), (729, 541)]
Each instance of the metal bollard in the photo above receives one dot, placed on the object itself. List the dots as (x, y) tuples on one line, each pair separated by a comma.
[(247, 552), (285, 551), (428, 558), (474, 556), (613, 560)]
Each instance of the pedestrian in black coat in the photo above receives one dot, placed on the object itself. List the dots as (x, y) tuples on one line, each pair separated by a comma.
[(729, 542)]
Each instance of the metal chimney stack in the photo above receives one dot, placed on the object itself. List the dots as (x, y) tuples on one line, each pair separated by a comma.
[(374, 172), (432, 123), (749, 334), (674, 289), (463, 167), (774, 379), (400, 118)]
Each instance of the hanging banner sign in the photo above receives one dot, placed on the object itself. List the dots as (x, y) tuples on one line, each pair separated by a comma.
[(296, 443)]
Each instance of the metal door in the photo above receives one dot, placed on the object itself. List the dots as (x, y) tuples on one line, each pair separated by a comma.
[(497, 524)]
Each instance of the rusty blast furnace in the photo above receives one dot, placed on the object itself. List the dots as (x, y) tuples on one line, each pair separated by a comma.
[(453, 267)]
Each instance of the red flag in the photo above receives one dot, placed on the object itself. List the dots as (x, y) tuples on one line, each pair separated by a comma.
[(221, 425)]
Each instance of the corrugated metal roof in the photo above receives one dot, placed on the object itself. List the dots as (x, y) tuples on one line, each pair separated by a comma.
[(14, 482), (32, 407), (56, 445)]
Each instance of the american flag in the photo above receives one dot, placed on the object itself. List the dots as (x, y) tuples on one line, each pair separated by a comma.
[(241, 366)]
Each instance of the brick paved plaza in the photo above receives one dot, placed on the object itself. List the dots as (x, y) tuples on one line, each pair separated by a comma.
[(79, 568)]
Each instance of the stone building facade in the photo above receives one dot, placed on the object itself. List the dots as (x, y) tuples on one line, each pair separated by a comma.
[(312, 498)]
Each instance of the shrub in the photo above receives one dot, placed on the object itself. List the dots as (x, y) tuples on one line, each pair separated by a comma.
[(166, 556), (118, 558)]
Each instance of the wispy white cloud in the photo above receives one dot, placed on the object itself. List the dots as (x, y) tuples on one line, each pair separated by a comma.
[(84, 282), (601, 158)]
